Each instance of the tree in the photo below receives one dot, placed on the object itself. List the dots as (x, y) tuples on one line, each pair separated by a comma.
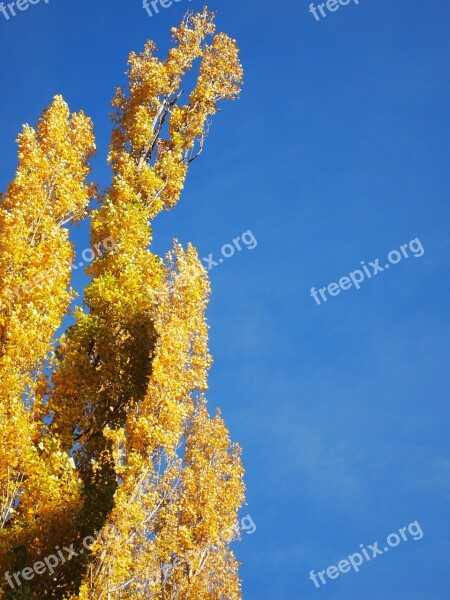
[(110, 439)]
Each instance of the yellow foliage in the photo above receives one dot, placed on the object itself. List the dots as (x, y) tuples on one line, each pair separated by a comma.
[(109, 436)]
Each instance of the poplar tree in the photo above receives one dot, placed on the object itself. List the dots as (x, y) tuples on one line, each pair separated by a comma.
[(109, 437)]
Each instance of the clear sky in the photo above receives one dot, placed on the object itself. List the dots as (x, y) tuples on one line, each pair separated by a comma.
[(335, 154)]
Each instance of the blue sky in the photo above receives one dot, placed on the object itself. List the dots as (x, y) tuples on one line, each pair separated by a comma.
[(336, 153)]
